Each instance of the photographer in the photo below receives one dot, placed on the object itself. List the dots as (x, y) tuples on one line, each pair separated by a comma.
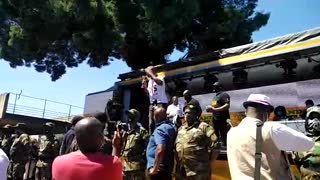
[(135, 139)]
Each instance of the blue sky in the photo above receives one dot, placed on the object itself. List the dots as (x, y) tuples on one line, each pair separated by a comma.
[(287, 16)]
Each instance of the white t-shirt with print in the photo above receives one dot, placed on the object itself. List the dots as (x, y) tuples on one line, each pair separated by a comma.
[(157, 92)]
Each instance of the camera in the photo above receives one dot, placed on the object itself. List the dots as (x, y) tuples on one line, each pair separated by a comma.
[(122, 126)]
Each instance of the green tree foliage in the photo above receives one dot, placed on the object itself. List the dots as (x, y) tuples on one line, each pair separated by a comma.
[(54, 35)]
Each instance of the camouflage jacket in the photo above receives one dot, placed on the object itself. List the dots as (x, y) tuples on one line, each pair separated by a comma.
[(20, 149), (309, 161), (133, 151), (6, 144), (49, 149), (193, 148)]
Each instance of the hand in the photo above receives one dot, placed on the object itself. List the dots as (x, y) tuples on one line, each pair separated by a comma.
[(149, 68), (153, 171), (116, 141)]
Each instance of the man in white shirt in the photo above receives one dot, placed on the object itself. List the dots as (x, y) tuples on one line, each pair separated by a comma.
[(4, 163), (276, 138), (155, 88), (174, 111)]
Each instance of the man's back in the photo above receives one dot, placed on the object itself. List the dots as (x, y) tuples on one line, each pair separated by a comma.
[(79, 166), (275, 137)]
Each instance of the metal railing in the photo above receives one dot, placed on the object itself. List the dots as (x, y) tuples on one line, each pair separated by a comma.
[(41, 108)]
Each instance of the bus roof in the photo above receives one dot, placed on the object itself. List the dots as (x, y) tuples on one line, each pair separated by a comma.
[(250, 55)]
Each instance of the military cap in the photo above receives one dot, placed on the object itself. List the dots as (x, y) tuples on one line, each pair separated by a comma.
[(7, 126), (49, 124), (313, 109), (20, 125), (133, 113)]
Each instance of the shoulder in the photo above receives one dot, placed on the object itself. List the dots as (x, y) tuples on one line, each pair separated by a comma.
[(204, 126), (142, 130)]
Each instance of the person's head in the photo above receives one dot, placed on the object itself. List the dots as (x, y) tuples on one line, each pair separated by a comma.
[(20, 128), (187, 95), (133, 116), (309, 103), (258, 106), (48, 127), (312, 123), (280, 111), (75, 119), (160, 114), (191, 113), (7, 129), (217, 87), (89, 134), (102, 117), (175, 100)]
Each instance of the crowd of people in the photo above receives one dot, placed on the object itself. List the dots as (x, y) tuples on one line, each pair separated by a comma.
[(23, 157), (176, 144)]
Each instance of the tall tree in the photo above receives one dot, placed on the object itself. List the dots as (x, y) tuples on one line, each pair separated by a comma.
[(55, 34)]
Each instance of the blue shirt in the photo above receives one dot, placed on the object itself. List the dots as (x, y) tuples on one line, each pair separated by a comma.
[(165, 133)]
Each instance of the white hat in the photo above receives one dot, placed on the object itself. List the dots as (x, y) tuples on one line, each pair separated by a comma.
[(258, 99)]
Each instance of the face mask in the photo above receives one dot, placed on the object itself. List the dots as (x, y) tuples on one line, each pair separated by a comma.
[(314, 126)]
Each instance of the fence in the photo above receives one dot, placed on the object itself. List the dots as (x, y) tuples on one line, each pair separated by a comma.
[(41, 108)]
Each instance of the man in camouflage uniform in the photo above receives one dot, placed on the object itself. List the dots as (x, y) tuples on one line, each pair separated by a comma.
[(7, 139), (309, 162), (135, 140), (49, 149), (195, 144), (19, 153)]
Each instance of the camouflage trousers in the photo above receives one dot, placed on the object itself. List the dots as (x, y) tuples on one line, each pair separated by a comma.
[(16, 170), (308, 174), (134, 175), (43, 170)]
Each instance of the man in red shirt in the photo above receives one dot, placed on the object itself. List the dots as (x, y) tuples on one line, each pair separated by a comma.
[(88, 163)]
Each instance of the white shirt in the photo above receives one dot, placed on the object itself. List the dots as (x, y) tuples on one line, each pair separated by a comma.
[(174, 110), (157, 92), (283, 137), (4, 163)]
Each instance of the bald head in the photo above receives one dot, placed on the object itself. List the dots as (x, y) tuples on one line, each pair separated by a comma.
[(160, 114), (186, 93), (217, 87), (89, 134)]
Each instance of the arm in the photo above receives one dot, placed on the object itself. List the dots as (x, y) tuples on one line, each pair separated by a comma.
[(288, 139), (149, 71), (63, 146), (161, 139), (222, 108), (159, 158), (116, 144), (212, 139), (144, 85)]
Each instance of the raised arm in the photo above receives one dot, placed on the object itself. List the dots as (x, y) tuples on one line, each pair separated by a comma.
[(149, 71), (288, 139)]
